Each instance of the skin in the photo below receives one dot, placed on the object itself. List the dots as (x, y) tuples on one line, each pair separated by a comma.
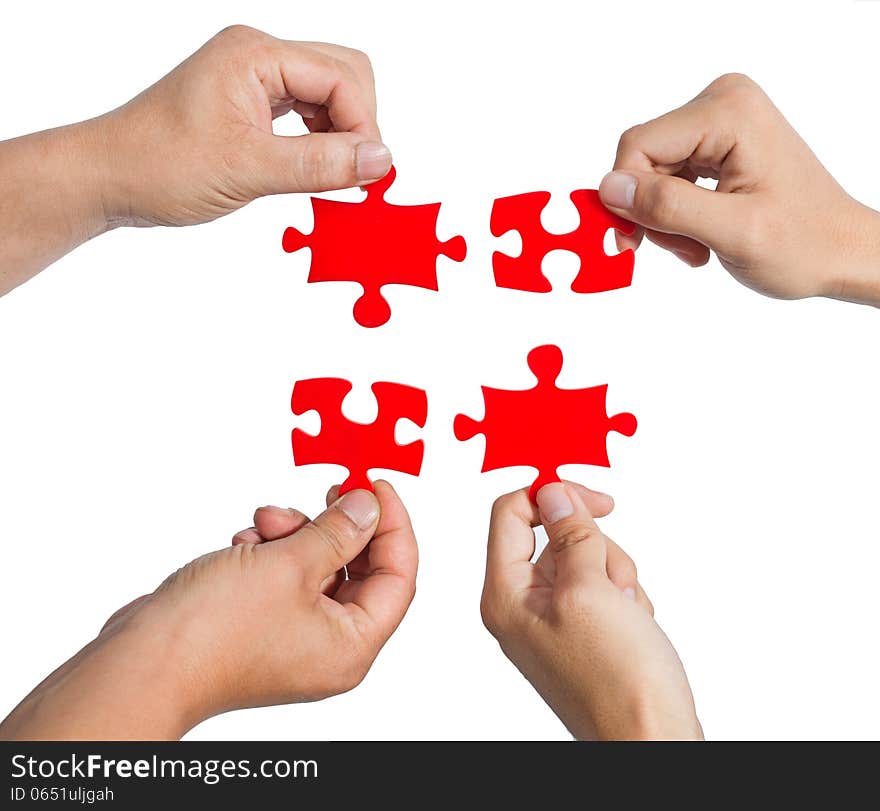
[(294, 610), (297, 610), (195, 146), (777, 220), (577, 623)]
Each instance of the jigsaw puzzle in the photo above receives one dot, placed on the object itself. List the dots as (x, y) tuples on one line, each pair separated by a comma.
[(598, 271), (545, 426), (357, 446), (374, 243)]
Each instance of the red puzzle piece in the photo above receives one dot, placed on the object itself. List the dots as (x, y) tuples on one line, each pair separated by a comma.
[(358, 446), (545, 426), (374, 243), (598, 270)]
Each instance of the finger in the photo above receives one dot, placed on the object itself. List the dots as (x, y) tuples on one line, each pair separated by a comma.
[(121, 613), (386, 570), (629, 241), (278, 522), (599, 504), (511, 539), (249, 535), (320, 123), (698, 136), (358, 62), (319, 161), (620, 568), (279, 110), (693, 140), (643, 600), (304, 109), (622, 572), (688, 250), (576, 542), (326, 544), (311, 75), (330, 585), (672, 205), (360, 567)]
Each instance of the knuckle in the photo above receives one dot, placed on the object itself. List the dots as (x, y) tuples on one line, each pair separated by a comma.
[(660, 200), (360, 60), (333, 537), (626, 574), (238, 33), (733, 81), (336, 68), (495, 616), (570, 534), (501, 505), (629, 139), (489, 615), (632, 570), (321, 167), (741, 94), (626, 566)]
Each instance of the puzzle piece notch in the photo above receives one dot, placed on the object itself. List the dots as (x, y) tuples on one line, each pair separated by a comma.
[(544, 427), (358, 446), (374, 243), (598, 271)]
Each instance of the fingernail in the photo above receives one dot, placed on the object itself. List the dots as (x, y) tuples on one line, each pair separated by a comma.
[(361, 507), (554, 502), (373, 160), (275, 509), (618, 189), (630, 592), (684, 258), (248, 536)]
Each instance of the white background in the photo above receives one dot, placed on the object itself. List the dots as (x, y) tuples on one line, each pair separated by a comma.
[(145, 379)]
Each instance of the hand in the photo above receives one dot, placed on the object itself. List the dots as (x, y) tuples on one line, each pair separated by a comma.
[(270, 620), (577, 623), (199, 144), (777, 220), (195, 146)]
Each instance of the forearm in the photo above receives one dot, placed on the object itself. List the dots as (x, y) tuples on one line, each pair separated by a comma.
[(123, 687), (55, 185)]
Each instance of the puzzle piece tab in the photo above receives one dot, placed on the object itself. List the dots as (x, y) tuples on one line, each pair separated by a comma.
[(545, 426), (374, 243), (598, 271), (358, 446)]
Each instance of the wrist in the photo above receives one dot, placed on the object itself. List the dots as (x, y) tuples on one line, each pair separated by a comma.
[(100, 147), (83, 176), (856, 276), (129, 683)]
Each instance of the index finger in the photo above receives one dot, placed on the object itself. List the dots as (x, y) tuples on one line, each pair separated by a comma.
[(511, 531), (359, 63), (314, 76), (384, 588)]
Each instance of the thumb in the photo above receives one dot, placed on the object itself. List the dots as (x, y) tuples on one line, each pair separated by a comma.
[(577, 543), (336, 537), (673, 205), (320, 161)]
